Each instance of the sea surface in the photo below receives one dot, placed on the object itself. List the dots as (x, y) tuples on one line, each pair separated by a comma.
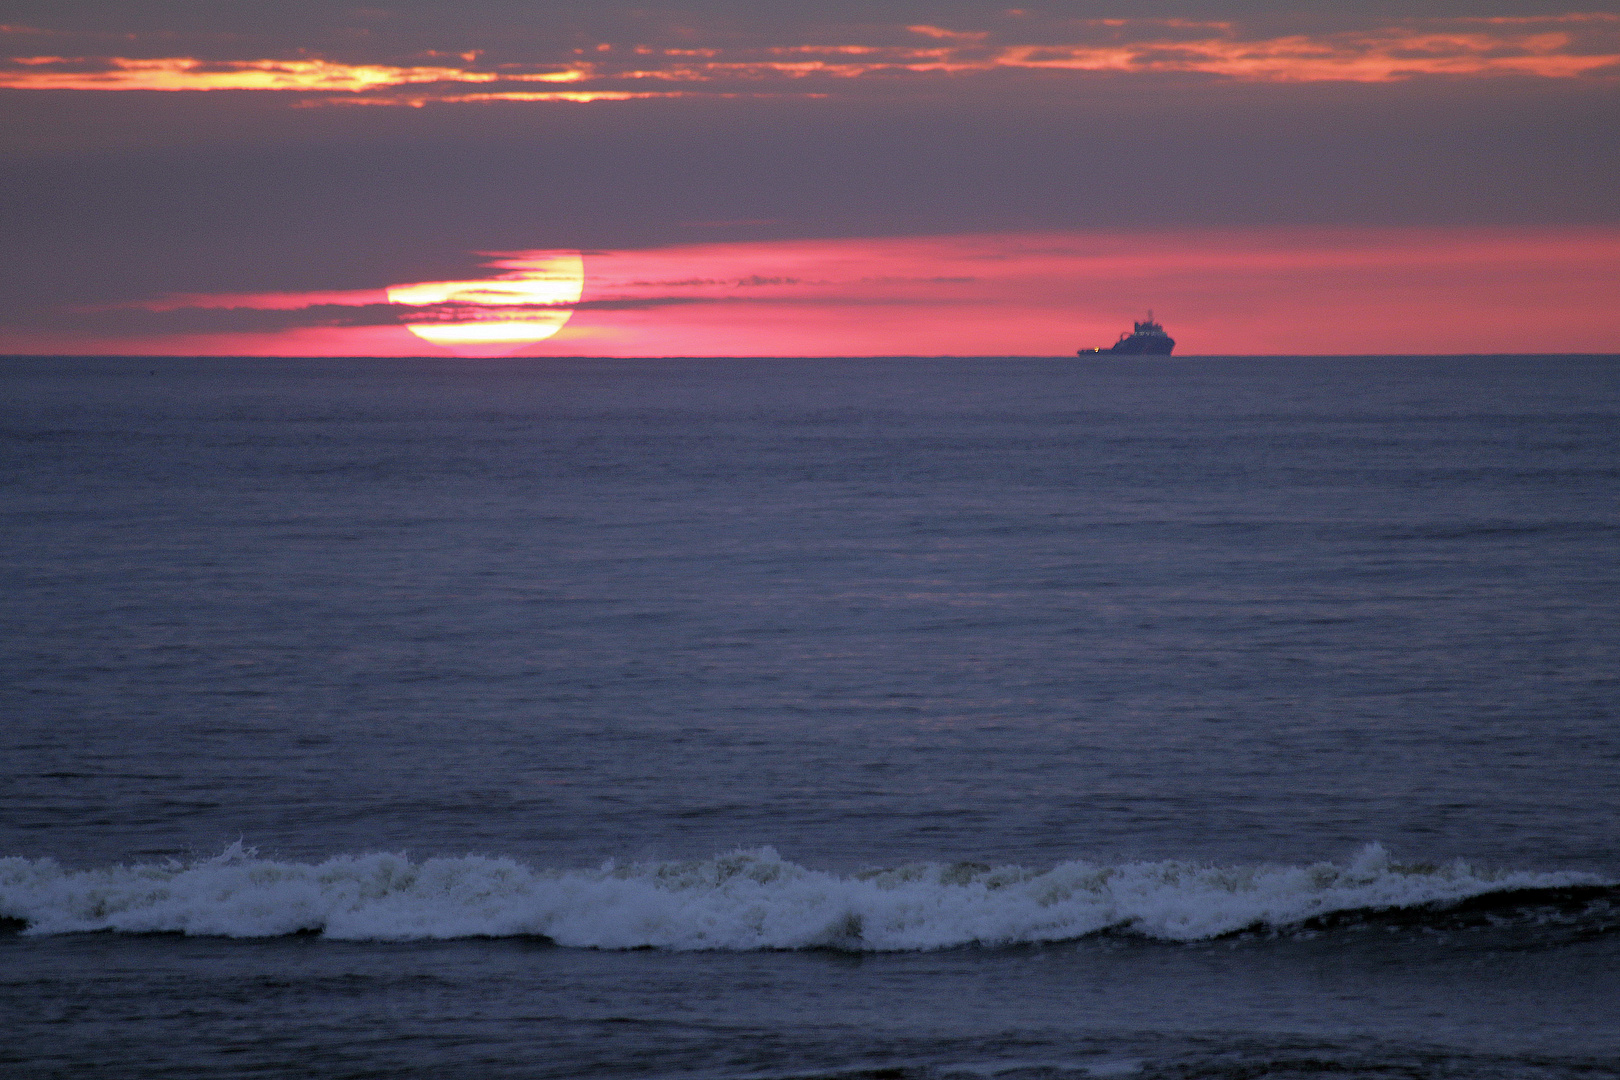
[(877, 719)]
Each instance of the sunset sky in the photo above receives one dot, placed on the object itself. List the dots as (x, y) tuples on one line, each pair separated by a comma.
[(821, 178)]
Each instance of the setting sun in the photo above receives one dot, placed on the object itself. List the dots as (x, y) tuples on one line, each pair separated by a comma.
[(499, 315)]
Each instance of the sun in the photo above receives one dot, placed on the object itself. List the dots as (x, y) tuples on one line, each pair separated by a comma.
[(499, 315)]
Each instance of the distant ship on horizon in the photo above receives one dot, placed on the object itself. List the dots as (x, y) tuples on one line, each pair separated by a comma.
[(1148, 339)]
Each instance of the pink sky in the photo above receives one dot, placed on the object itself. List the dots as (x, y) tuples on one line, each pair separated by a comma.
[(884, 179), (1231, 291)]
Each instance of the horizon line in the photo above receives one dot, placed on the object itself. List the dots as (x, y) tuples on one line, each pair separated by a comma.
[(783, 356)]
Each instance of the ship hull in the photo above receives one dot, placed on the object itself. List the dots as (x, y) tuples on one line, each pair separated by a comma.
[(1136, 345)]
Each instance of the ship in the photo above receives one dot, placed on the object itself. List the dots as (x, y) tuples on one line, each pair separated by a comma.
[(1148, 339)]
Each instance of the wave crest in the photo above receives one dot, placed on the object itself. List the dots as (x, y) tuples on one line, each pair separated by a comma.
[(747, 899)]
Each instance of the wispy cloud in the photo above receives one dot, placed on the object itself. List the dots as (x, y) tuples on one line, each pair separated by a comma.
[(832, 59), (189, 73)]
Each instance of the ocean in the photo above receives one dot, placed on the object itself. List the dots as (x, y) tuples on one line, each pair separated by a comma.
[(875, 719)]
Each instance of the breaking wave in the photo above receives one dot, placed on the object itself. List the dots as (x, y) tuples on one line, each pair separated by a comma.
[(743, 900)]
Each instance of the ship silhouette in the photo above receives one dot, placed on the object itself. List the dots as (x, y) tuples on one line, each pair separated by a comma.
[(1148, 339)]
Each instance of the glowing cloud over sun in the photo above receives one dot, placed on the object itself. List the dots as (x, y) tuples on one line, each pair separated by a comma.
[(496, 316)]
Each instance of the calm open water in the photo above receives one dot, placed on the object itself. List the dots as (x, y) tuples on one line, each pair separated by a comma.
[(913, 719)]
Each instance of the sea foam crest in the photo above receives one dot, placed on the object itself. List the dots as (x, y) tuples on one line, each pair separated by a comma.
[(743, 900)]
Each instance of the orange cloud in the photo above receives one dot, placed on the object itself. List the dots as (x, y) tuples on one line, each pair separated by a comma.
[(953, 35), (1378, 57), (1555, 47), (188, 73), (417, 101)]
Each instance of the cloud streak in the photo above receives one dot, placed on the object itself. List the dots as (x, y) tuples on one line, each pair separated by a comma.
[(1247, 291), (840, 60), (168, 317)]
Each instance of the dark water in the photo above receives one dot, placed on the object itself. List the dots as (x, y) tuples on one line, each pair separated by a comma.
[(900, 718)]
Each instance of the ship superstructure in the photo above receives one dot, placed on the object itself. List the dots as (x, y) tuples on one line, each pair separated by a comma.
[(1148, 339)]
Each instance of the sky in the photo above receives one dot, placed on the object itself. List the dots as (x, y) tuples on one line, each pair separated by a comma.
[(893, 177)]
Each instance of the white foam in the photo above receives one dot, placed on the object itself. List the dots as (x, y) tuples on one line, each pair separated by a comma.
[(742, 900)]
